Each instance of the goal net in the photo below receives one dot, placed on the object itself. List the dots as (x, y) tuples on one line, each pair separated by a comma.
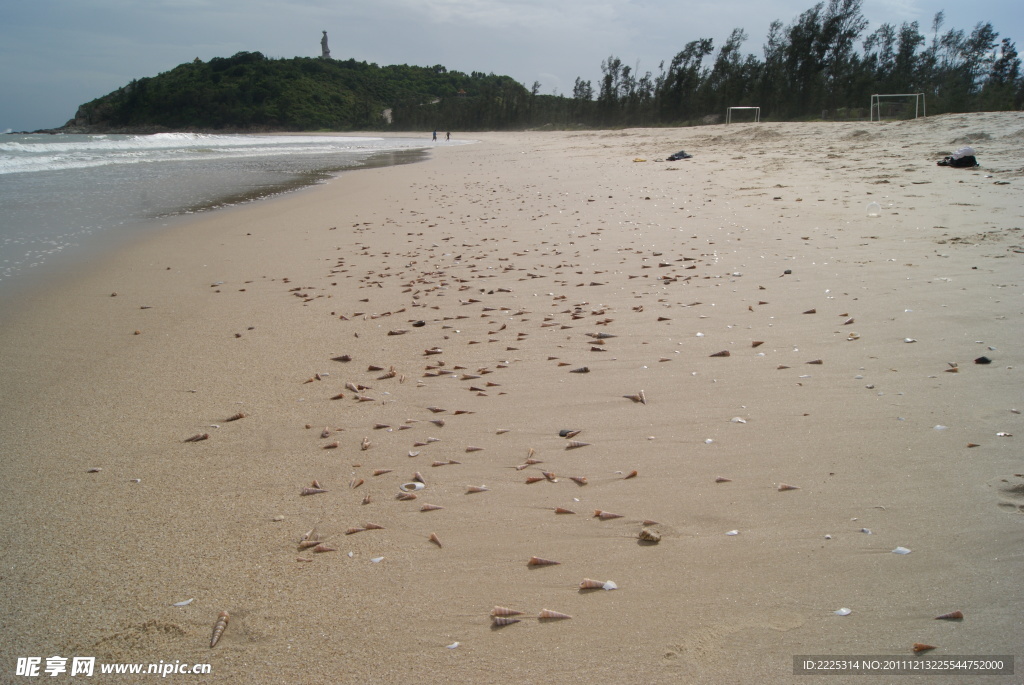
[(897, 106)]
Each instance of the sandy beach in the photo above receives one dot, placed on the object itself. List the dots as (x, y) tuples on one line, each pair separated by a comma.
[(724, 326)]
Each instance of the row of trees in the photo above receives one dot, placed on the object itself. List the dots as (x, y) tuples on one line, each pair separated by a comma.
[(811, 67)]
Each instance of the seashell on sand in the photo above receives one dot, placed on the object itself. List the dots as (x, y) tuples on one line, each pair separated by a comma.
[(332, 445), (436, 540), (323, 547), (921, 647), (404, 496), (951, 616), (311, 491), (563, 510), (381, 472), (505, 611), (476, 488), (648, 535), (431, 507), (198, 437), (606, 515), (579, 480), (590, 584), (631, 474), (783, 487), (411, 487), (639, 398), (723, 479), (236, 417), (352, 531), (530, 480), (372, 526), (504, 620), (537, 561), (218, 628), (723, 353), (365, 445), (471, 448), (575, 444), (549, 615)]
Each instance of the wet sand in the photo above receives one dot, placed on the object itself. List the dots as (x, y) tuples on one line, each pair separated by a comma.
[(486, 279)]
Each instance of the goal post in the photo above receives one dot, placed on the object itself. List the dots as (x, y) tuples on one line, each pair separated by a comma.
[(876, 104), (757, 114)]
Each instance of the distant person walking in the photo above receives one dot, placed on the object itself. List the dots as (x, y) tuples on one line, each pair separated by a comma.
[(435, 136), (447, 136)]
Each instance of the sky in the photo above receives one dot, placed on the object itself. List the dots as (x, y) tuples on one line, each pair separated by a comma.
[(58, 54)]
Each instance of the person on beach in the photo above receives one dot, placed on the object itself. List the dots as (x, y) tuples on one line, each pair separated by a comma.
[(435, 137), (447, 136)]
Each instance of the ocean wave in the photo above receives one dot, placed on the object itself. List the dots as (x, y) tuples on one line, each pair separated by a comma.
[(36, 153)]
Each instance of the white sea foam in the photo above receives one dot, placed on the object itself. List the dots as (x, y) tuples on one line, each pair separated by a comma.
[(32, 153)]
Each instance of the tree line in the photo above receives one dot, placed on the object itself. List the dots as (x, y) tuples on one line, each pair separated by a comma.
[(823, 63)]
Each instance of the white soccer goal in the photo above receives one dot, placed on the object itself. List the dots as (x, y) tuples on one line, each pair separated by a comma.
[(919, 104), (757, 114)]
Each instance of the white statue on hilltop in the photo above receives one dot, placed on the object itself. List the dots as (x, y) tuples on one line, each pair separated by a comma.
[(326, 51)]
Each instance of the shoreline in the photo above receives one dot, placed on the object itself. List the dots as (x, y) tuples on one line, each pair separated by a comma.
[(512, 252), (75, 258)]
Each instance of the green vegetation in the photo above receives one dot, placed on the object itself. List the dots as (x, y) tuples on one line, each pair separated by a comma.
[(811, 68), (251, 92)]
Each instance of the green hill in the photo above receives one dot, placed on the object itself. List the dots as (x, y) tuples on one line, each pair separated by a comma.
[(250, 92)]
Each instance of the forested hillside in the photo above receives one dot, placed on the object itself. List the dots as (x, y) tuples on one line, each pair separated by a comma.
[(823, 64)]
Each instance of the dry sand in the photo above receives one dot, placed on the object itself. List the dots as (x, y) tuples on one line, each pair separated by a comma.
[(515, 252)]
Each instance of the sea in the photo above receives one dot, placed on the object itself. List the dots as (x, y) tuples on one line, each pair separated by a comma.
[(64, 197)]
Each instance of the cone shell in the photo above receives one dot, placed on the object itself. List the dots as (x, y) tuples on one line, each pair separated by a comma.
[(350, 531), (372, 526), (322, 547), (563, 510), (648, 535), (723, 353), (381, 472), (436, 540), (921, 647), (236, 417), (504, 620), (471, 448), (590, 584), (218, 628), (537, 561), (476, 488), (573, 444), (311, 491), (951, 616), (534, 479), (579, 480), (783, 487), (549, 614), (723, 479), (431, 507), (198, 437), (605, 515), (505, 611), (631, 474)]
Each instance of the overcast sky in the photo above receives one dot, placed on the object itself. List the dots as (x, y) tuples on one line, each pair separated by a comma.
[(58, 54)]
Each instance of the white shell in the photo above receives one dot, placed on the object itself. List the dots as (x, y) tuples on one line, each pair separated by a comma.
[(733, 532), (901, 550), (610, 585), (409, 487), (843, 612), (183, 604)]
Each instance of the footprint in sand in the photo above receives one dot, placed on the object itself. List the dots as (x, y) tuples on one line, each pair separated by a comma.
[(1011, 491)]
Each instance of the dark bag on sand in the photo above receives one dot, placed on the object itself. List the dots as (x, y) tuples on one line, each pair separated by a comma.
[(682, 154), (961, 163)]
